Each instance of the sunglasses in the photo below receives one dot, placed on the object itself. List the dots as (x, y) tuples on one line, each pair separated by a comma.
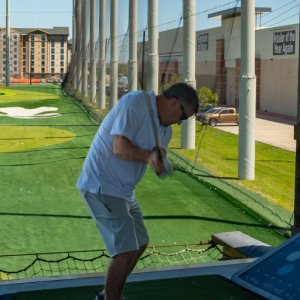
[(184, 115)]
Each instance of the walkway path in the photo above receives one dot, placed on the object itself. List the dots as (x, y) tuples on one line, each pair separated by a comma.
[(273, 131)]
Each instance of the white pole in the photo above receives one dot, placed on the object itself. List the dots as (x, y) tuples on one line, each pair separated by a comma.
[(102, 58), (132, 64), (7, 74), (78, 56), (189, 62), (72, 71), (247, 109), (93, 62), (152, 73), (113, 97), (85, 44), (74, 27)]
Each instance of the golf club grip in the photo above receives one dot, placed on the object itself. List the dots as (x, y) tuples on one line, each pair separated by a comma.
[(156, 148)]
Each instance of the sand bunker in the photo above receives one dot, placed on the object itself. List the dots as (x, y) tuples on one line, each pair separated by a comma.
[(29, 113)]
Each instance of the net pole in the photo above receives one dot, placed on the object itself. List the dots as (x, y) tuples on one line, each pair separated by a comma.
[(93, 50), (189, 61), (113, 97), (132, 70), (78, 46), (85, 42), (102, 58), (7, 80), (296, 226), (247, 104), (152, 73)]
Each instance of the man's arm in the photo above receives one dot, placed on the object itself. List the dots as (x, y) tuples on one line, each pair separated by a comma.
[(122, 147)]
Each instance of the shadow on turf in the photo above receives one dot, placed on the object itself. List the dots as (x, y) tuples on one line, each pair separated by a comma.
[(201, 218), (166, 217)]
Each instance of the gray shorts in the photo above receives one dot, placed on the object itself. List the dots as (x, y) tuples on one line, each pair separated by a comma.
[(119, 221)]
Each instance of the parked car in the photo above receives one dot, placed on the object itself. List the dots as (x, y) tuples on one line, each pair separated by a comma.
[(201, 111), (220, 115)]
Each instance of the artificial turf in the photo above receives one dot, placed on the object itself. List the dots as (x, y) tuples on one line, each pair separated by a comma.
[(41, 209)]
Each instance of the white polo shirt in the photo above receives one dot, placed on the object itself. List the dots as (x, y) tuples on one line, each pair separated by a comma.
[(105, 173)]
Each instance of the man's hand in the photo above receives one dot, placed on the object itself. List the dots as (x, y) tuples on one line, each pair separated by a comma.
[(123, 148), (156, 160)]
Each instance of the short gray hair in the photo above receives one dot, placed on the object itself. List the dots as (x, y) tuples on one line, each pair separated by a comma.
[(185, 93)]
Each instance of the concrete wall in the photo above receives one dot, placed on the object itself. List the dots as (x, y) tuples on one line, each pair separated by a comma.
[(279, 80)]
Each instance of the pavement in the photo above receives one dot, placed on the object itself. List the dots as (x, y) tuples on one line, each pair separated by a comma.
[(278, 132)]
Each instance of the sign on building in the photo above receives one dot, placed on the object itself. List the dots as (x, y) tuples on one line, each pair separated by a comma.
[(202, 42), (284, 42)]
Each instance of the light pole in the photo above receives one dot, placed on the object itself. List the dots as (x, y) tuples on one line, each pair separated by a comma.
[(30, 64)]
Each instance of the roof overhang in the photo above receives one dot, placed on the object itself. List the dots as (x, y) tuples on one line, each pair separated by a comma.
[(236, 12)]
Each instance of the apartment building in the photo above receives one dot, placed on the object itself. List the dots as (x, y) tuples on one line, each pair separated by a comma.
[(36, 52), (15, 54)]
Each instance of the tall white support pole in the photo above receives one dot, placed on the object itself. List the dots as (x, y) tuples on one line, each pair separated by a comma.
[(93, 61), (296, 226), (152, 65), (102, 56), (72, 67), (73, 27), (78, 56), (247, 109), (7, 71), (189, 62), (85, 44), (113, 53), (132, 64)]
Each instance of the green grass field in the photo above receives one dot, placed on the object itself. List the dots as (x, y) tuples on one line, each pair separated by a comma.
[(218, 152), (41, 210)]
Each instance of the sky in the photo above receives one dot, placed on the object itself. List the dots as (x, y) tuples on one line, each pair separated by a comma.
[(49, 13)]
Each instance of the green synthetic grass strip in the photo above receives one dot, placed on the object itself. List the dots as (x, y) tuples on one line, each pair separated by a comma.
[(21, 138), (188, 288), (18, 95)]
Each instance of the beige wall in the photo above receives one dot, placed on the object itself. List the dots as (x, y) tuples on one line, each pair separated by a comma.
[(279, 80)]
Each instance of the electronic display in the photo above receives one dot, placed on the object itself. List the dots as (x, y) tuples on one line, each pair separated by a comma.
[(275, 275)]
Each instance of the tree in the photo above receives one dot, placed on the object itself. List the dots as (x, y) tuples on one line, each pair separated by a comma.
[(207, 97)]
